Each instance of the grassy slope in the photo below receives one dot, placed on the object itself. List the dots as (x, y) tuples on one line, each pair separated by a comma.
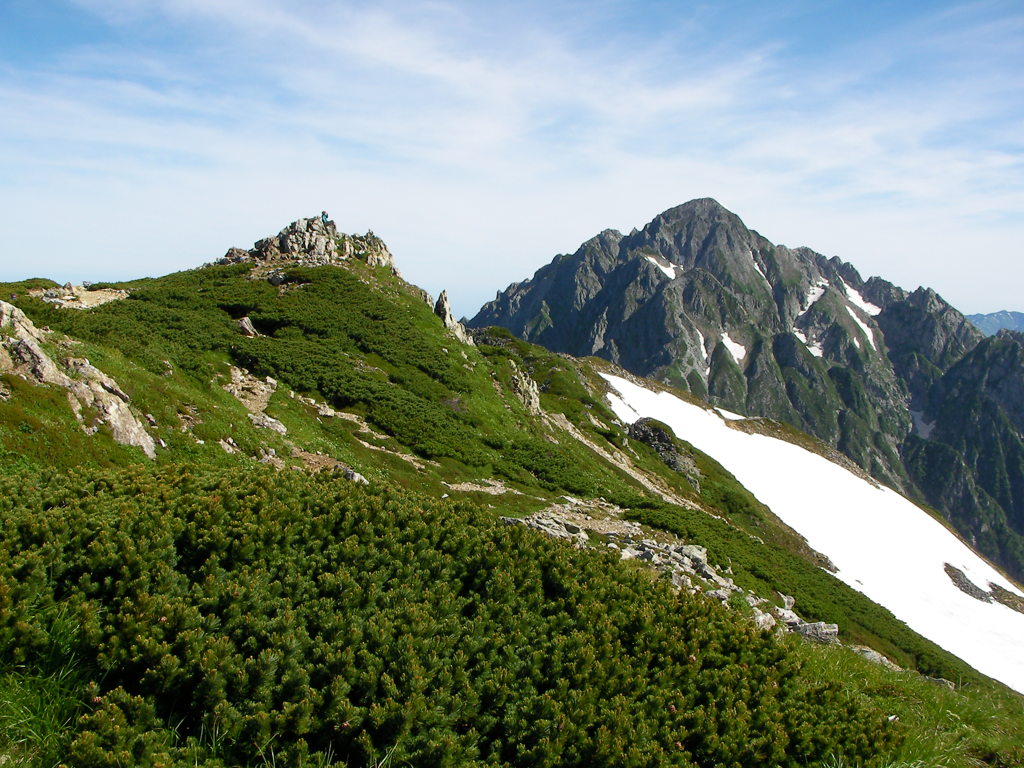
[(362, 341)]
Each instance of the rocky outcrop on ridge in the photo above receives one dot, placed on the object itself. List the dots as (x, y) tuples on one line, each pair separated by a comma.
[(443, 309), (311, 242), (525, 389), (663, 442)]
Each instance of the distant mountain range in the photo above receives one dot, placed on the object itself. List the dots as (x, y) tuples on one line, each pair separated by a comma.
[(900, 382), (993, 322)]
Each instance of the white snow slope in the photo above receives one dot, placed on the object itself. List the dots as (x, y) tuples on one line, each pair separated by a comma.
[(883, 545)]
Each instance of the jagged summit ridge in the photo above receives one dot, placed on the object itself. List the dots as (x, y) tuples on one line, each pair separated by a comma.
[(694, 271), (701, 302)]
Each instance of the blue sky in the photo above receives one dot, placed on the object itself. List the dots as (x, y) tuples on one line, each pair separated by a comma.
[(480, 139)]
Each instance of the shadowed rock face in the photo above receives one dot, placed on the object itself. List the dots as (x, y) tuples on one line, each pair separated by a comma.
[(697, 300)]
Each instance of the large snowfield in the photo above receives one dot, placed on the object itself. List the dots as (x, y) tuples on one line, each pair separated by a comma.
[(883, 545)]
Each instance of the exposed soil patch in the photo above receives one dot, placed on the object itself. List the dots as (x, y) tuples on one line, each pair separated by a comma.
[(78, 296)]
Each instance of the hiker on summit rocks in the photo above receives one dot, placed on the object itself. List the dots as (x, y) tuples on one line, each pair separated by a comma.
[(323, 217)]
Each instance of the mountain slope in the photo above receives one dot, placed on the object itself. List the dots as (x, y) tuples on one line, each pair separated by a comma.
[(863, 529), (240, 598), (697, 300)]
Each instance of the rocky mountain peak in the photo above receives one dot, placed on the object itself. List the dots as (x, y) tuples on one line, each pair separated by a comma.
[(701, 302), (703, 207), (312, 242)]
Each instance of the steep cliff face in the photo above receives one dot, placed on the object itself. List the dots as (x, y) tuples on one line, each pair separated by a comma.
[(977, 408), (699, 301)]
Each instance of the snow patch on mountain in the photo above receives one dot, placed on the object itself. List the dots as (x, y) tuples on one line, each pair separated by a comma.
[(814, 349), (759, 270), (857, 299), (737, 350), (703, 351), (816, 292), (922, 428), (864, 327), (882, 544), (670, 270)]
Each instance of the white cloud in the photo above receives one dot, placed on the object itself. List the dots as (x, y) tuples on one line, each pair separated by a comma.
[(480, 142)]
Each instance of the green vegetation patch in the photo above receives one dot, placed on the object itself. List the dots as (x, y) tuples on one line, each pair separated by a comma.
[(240, 617)]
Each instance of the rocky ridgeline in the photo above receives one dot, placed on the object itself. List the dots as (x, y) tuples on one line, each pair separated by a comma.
[(685, 564), (311, 242)]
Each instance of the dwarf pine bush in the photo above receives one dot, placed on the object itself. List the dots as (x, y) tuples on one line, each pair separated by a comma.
[(223, 615)]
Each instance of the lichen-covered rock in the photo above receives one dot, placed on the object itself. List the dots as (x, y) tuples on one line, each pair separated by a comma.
[(246, 327), (354, 477), (263, 421), (551, 526), (874, 656)]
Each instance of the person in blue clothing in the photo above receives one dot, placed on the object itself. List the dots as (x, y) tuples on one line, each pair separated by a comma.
[(323, 217)]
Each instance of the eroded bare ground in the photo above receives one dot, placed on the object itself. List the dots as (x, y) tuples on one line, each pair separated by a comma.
[(318, 462), (78, 296), (491, 486), (250, 391)]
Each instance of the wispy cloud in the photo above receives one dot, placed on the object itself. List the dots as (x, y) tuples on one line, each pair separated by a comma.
[(478, 139)]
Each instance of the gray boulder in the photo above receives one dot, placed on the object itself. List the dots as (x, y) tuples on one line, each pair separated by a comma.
[(819, 632)]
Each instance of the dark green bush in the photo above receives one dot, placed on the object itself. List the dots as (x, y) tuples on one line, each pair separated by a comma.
[(243, 617)]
